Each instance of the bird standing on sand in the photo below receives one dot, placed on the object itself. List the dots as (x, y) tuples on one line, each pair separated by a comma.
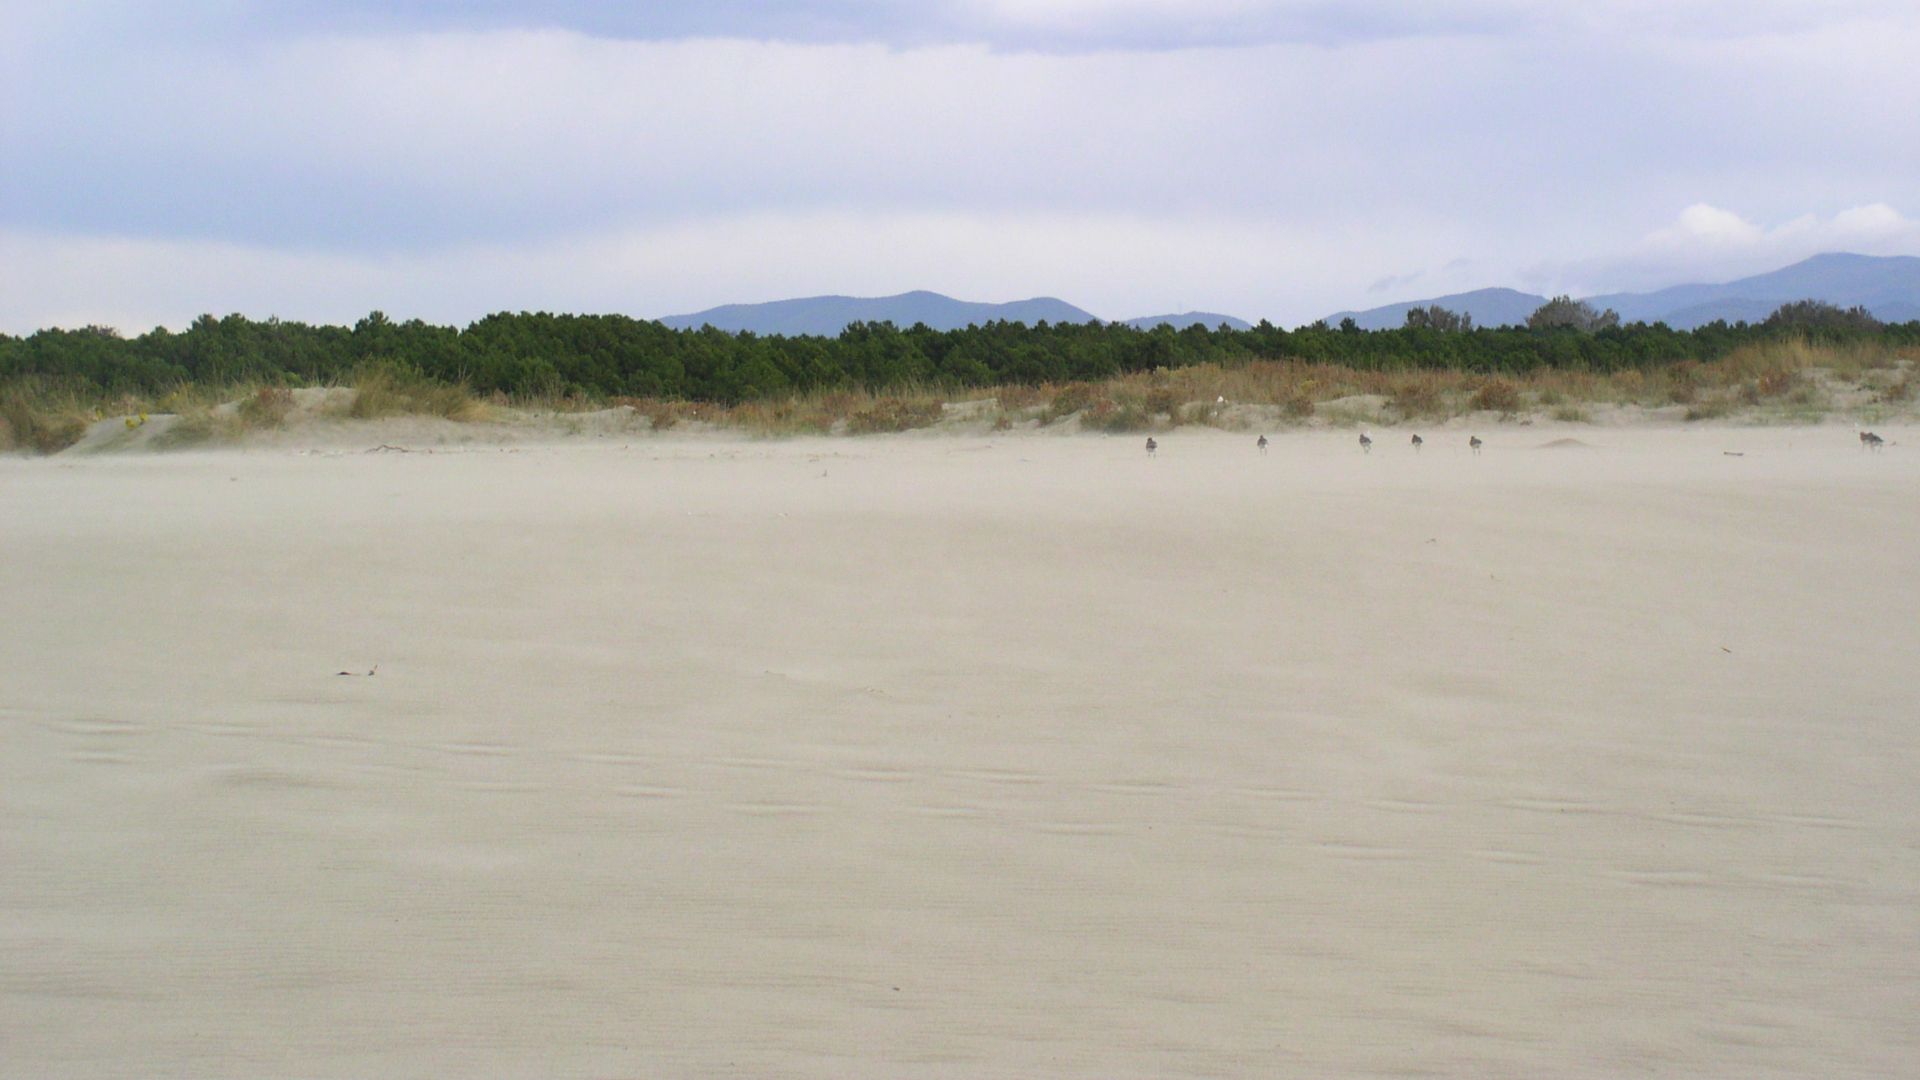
[(1870, 441), (1262, 444), (1151, 446), (1366, 443), (1474, 441), (1418, 442)]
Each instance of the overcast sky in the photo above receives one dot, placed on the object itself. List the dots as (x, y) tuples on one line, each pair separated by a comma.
[(317, 159)]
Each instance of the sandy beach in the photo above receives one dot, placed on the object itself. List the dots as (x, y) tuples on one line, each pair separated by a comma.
[(966, 757)]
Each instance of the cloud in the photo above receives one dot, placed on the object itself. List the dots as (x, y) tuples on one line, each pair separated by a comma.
[(428, 139), (257, 142), (1394, 281), (1701, 224), (1045, 25), (1708, 243)]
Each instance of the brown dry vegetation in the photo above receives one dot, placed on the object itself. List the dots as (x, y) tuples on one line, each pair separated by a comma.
[(1778, 382), (35, 418), (390, 391), (267, 407)]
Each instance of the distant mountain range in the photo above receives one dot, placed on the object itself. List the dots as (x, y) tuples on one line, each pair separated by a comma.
[(1888, 286), (1208, 319), (1489, 307), (828, 315)]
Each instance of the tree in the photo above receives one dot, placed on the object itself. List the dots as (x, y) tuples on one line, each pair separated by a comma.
[(1565, 311), (1820, 315), (1435, 317)]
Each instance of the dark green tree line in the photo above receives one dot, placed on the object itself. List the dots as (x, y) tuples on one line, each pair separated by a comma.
[(602, 356)]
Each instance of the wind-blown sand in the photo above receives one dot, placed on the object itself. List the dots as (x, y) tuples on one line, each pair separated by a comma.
[(965, 757)]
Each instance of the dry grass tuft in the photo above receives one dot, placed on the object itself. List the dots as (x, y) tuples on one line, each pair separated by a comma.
[(266, 407), (1899, 390), (35, 418), (1709, 409), (1118, 416), (1419, 396), (389, 390), (893, 414), (1019, 398), (1069, 399), (1497, 395)]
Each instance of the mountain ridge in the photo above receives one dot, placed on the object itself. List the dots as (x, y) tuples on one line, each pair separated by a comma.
[(1887, 285), (1489, 307), (1208, 319), (828, 315)]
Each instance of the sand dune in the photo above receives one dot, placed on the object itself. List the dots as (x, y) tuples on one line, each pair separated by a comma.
[(965, 757)]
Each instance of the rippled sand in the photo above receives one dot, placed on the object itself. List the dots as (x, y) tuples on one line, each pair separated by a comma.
[(965, 758)]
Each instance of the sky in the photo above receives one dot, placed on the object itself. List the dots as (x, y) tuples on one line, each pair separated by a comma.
[(1280, 159)]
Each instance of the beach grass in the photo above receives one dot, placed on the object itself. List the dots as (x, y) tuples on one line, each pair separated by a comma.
[(1771, 383)]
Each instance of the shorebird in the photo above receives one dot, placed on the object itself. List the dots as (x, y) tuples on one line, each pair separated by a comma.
[(1418, 442), (1366, 443), (1151, 446), (1870, 441), (1262, 444), (1474, 441)]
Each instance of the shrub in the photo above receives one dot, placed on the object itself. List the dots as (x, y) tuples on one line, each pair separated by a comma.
[(1497, 395), (389, 390), (1775, 384), (37, 422), (1417, 396), (1564, 311), (267, 406), (1017, 397), (1109, 415), (1197, 412), (893, 414), (1819, 315), (1070, 399)]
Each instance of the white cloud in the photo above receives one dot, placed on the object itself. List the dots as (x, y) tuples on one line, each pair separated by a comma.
[(1707, 243), (1706, 226), (447, 173), (1710, 232)]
